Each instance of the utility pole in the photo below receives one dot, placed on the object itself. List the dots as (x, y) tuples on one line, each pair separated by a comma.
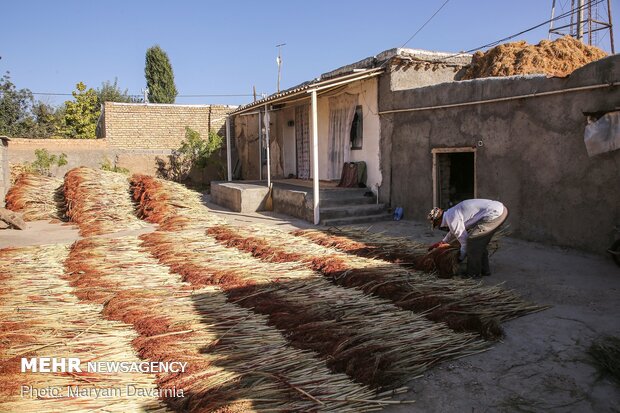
[(585, 17), (279, 61), (580, 20)]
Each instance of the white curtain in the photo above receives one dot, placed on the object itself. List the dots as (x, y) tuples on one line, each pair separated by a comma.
[(341, 113)]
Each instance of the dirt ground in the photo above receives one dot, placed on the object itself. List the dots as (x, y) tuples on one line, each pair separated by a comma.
[(541, 365)]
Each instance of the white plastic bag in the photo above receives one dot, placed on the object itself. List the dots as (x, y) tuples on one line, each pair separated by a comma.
[(603, 135)]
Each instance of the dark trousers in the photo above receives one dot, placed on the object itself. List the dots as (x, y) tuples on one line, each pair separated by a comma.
[(477, 241)]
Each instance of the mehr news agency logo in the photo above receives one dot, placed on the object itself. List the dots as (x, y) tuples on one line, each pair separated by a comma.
[(74, 365)]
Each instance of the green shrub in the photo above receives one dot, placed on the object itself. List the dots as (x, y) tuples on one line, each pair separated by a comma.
[(106, 165), (194, 152), (44, 162)]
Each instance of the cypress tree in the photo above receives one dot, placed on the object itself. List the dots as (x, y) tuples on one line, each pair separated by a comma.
[(159, 76)]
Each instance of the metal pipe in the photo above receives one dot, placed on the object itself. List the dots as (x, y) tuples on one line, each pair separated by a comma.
[(267, 127), (345, 82), (260, 146), (611, 32), (481, 102), (551, 23), (580, 20), (228, 150), (315, 159), (303, 90)]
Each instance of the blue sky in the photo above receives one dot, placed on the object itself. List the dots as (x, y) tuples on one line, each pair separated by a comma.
[(227, 47)]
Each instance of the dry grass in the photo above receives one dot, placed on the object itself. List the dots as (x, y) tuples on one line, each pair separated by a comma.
[(36, 197), (236, 357), (99, 201), (51, 322), (606, 354), (464, 305), (169, 204), (553, 58), (400, 250), (368, 338)]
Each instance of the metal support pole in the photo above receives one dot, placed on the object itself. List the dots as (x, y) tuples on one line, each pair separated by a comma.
[(267, 127), (315, 159), (552, 16), (260, 145), (228, 150), (580, 20), (611, 27)]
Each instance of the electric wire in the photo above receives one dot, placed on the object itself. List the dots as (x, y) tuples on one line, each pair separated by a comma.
[(497, 42)]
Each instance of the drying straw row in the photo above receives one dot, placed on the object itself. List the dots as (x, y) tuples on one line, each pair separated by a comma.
[(400, 250), (237, 362), (99, 201), (36, 197), (169, 204), (366, 337), (464, 305), (40, 317)]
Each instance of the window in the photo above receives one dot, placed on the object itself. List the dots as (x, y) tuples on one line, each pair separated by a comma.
[(357, 129)]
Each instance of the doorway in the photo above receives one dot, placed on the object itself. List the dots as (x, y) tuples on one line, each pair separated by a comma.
[(454, 176)]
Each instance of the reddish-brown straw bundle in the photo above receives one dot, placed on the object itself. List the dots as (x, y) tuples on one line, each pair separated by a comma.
[(50, 321), (171, 205), (36, 197), (464, 305), (411, 254), (234, 357), (368, 338), (99, 202)]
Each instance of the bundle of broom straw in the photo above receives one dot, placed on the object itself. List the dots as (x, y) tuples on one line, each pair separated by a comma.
[(37, 197), (50, 320), (170, 204), (401, 250), (99, 201), (464, 305), (235, 358), (365, 337)]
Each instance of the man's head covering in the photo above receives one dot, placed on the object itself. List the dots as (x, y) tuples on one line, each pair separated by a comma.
[(434, 215)]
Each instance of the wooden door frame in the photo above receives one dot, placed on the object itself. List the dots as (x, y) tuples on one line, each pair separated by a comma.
[(465, 149)]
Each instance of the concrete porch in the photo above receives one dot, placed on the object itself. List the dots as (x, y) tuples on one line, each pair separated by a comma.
[(294, 197)]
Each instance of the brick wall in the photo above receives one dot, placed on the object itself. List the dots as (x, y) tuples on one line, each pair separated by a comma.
[(158, 126), (136, 137)]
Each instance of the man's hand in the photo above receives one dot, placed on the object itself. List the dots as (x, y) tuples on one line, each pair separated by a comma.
[(439, 244)]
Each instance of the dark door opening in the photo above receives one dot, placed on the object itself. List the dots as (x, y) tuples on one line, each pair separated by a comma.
[(455, 178)]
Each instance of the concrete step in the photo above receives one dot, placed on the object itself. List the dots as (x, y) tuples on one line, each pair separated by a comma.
[(356, 220), (352, 211), (360, 200), (342, 193)]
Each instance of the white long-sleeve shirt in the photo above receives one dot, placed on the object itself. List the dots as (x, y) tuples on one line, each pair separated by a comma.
[(466, 214)]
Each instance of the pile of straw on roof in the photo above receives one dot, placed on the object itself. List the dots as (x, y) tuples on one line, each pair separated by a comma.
[(553, 58), (36, 197)]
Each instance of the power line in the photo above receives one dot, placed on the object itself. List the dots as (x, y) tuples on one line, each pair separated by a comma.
[(179, 96), (425, 23), (495, 43)]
